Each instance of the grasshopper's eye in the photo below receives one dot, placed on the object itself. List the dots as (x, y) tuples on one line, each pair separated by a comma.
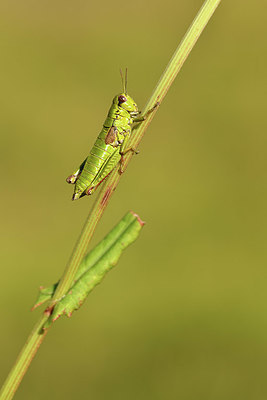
[(122, 99)]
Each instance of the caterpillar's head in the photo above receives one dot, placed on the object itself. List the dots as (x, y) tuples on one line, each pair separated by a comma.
[(124, 101)]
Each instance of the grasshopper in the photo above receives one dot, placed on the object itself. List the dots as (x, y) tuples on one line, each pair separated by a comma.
[(110, 145)]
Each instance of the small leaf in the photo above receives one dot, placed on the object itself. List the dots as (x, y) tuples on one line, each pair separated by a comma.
[(44, 295), (95, 265)]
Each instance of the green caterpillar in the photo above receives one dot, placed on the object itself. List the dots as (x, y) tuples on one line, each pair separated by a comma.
[(110, 146), (93, 268)]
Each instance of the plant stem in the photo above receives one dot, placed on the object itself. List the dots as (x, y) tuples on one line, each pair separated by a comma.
[(24, 360), (36, 337)]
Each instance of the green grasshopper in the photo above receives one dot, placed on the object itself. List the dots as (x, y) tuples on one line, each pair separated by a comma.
[(110, 146)]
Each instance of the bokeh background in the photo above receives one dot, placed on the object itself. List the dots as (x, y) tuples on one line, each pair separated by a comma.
[(184, 314)]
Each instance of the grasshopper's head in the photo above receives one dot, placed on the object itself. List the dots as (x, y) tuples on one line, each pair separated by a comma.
[(124, 101)]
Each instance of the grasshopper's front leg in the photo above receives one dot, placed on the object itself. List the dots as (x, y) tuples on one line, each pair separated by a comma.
[(73, 178), (125, 149), (144, 117)]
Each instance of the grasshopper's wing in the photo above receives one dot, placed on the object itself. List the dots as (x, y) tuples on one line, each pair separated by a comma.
[(111, 136)]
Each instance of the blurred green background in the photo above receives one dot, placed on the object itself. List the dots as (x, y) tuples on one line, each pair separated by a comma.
[(184, 315)]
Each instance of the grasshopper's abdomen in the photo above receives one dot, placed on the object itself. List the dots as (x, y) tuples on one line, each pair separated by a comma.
[(95, 162)]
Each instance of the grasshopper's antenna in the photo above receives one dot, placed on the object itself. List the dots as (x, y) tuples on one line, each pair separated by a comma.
[(122, 80), (126, 79)]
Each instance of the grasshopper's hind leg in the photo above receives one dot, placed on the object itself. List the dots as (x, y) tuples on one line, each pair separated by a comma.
[(133, 150), (90, 190), (73, 178)]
